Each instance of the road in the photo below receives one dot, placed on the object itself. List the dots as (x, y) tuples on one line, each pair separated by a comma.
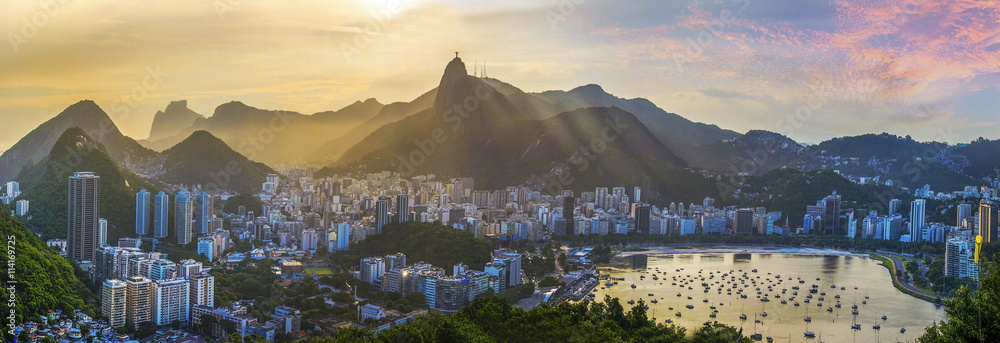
[(898, 266)]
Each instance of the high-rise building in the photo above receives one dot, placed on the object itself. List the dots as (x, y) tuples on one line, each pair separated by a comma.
[(403, 208), (600, 195), (343, 236), (642, 216), (13, 191), (142, 212), (82, 211), (395, 261), (743, 225), (831, 217), (202, 213), (917, 215), (964, 211), (512, 261), (161, 270), (894, 206), (171, 301), (987, 221), (102, 231), (138, 300), (202, 289), (113, 295), (309, 240), (206, 247), (21, 207), (161, 214), (183, 213), (188, 268), (636, 192), (381, 214), (569, 205), (371, 269)]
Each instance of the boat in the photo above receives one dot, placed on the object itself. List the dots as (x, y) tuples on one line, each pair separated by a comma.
[(650, 294), (712, 315), (689, 306), (884, 317), (854, 312), (609, 284), (809, 319), (631, 302), (653, 301), (856, 326), (810, 334), (633, 286), (669, 320), (677, 314), (743, 317), (902, 330), (876, 327)]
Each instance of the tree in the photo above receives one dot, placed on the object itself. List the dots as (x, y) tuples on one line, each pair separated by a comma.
[(207, 322), (228, 326), (562, 261), (972, 317)]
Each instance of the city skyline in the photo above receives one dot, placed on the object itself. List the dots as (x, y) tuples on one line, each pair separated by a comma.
[(908, 66)]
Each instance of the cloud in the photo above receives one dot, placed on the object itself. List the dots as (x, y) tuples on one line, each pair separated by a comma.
[(724, 94)]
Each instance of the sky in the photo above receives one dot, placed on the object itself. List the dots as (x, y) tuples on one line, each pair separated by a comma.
[(810, 69)]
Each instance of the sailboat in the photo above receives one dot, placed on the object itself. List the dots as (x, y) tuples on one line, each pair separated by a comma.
[(756, 336)]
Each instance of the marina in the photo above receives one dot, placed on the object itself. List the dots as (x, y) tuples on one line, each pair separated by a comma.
[(852, 296)]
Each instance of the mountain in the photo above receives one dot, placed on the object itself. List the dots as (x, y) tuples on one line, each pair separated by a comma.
[(674, 131), (172, 120), (33, 147), (332, 149), (907, 162), (45, 280), (46, 183), (980, 158), (754, 153), (474, 130), (203, 159), (273, 136)]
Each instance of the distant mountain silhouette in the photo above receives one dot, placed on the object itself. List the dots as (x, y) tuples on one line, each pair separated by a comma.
[(203, 159), (85, 115), (330, 150), (273, 136), (172, 120)]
